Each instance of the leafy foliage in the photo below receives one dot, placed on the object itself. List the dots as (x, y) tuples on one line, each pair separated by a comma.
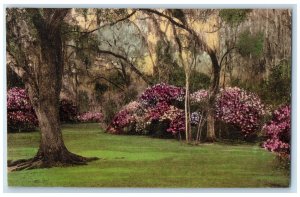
[(234, 16), (250, 44), (277, 88)]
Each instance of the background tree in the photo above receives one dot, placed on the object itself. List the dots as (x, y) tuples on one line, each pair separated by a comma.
[(202, 46)]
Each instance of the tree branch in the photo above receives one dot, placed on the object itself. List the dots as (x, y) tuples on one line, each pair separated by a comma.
[(132, 67), (225, 54), (199, 41), (109, 24)]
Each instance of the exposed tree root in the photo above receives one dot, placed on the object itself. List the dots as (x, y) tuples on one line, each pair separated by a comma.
[(39, 161)]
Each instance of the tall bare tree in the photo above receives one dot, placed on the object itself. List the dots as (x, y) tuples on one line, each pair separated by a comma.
[(177, 19)]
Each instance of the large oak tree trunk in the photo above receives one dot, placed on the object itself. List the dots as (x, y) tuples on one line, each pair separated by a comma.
[(45, 100)]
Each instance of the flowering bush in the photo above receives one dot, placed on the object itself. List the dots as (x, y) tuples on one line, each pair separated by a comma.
[(161, 93), (278, 131), (124, 118), (159, 105), (153, 106), (195, 118), (176, 118), (240, 108), (199, 96), (20, 114), (90, 117), (155, 112), (171, 114), (67, 111)]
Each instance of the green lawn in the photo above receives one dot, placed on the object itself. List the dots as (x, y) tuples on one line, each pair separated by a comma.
[(140, 161)]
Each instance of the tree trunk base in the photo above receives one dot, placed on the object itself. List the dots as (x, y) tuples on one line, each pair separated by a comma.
[(65, 159), (210, 140)]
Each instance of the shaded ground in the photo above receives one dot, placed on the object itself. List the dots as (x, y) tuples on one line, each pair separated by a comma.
[(140, 161)]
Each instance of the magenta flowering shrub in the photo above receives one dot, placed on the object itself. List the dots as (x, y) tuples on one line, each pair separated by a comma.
[(240, 108), (149, 108), (153, 106), (67, 111), (161, 93), (176, 118), (199, 96), (90, 117), (155, 112), (124, 118), (278, 131), (160, 107), (177, 125), (171, 114), (20, 114)]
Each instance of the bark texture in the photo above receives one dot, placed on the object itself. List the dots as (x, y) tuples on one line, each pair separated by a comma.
[(213, 91), (45, 95)]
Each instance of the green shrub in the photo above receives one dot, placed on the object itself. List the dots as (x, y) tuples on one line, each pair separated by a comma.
[(250, 44), (198, 80), (234, 16), (277, 88)]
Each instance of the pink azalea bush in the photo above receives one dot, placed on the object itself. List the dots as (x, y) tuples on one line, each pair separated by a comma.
[(20, 114), (157, 111), (124, 118), (151, 107), (278, 131), (161, 93), (90, 117), (199, 96), (159, 104), (177, 125), (240, 108), (176, 118)]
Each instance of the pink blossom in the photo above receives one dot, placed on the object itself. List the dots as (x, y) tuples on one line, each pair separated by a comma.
[(278, 131), (240, 108), (20, 113), (90, 117)]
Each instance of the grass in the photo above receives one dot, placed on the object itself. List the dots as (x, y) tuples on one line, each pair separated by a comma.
[(141, 161)]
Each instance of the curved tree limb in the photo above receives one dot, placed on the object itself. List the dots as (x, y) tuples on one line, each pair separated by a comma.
[(132, 67), (110, 24), (125, 59)]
